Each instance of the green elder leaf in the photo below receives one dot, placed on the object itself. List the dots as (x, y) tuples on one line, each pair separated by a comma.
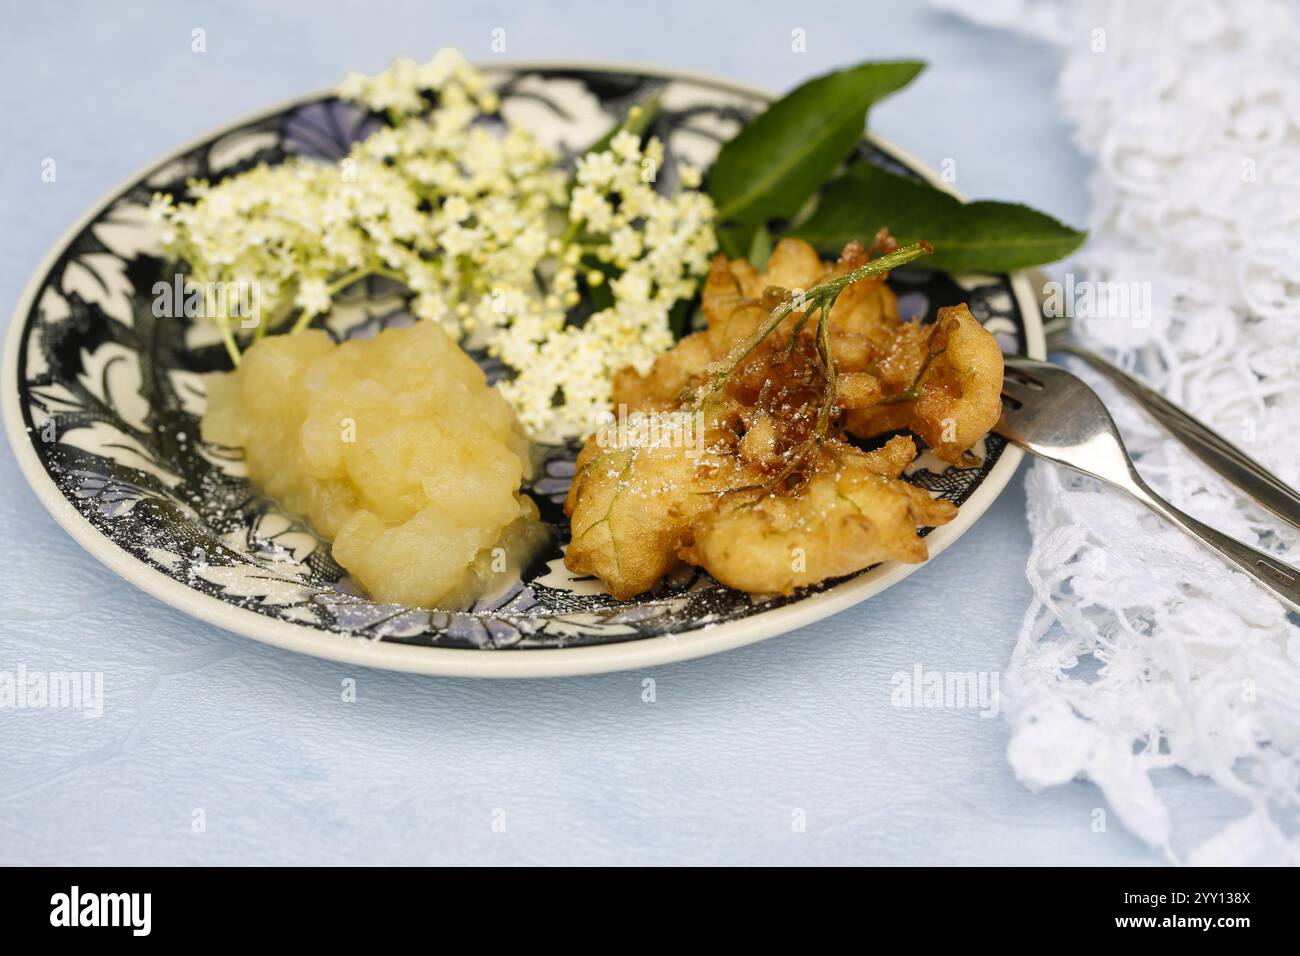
[(760, 248), (779, 160), (735, 240), (967, 237)]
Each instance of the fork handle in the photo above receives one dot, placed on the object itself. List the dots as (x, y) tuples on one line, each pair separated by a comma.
[(1282, 580), (1217, 452)]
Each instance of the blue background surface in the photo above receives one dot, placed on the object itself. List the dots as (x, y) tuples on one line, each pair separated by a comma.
[(733, 750)]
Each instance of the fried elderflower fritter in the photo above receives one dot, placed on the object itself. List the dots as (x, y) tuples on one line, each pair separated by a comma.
[(852, 513), (955, 394), (750, 475)]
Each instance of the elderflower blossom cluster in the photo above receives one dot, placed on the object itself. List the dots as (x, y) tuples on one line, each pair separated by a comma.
[(486, 230), (653, 247)]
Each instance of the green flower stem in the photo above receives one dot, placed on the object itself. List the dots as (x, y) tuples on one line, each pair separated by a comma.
[(345, 280), (637, 121), (570, 233), (228, 339), (820, 299), (341, 283)]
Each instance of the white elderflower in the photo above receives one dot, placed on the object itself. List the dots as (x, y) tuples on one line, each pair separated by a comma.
[(626, 145), (597, 169), (634, 285), (484, 229), (589, 206), (625, 245), (313, 296), (456, 209), (689, 176)]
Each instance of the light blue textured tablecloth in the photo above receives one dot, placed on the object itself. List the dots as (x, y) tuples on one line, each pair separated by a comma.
[(734, 752)]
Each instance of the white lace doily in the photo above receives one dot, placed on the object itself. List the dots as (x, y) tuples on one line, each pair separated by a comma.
[(1141, 650)]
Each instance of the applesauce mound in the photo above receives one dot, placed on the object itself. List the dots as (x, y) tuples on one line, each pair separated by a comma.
[(395, 448)]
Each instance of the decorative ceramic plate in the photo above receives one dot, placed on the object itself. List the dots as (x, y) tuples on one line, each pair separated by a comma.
[(102, 403)]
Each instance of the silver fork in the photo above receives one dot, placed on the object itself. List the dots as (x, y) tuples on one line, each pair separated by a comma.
[(1225, 458), (1051, 413)]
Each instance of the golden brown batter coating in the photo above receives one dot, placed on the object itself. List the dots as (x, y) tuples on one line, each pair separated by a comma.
[(759, 485)]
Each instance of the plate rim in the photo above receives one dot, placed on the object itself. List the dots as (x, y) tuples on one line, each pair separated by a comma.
[(478, 662)]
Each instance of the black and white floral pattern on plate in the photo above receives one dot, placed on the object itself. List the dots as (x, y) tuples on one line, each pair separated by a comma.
[(112, 396)]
